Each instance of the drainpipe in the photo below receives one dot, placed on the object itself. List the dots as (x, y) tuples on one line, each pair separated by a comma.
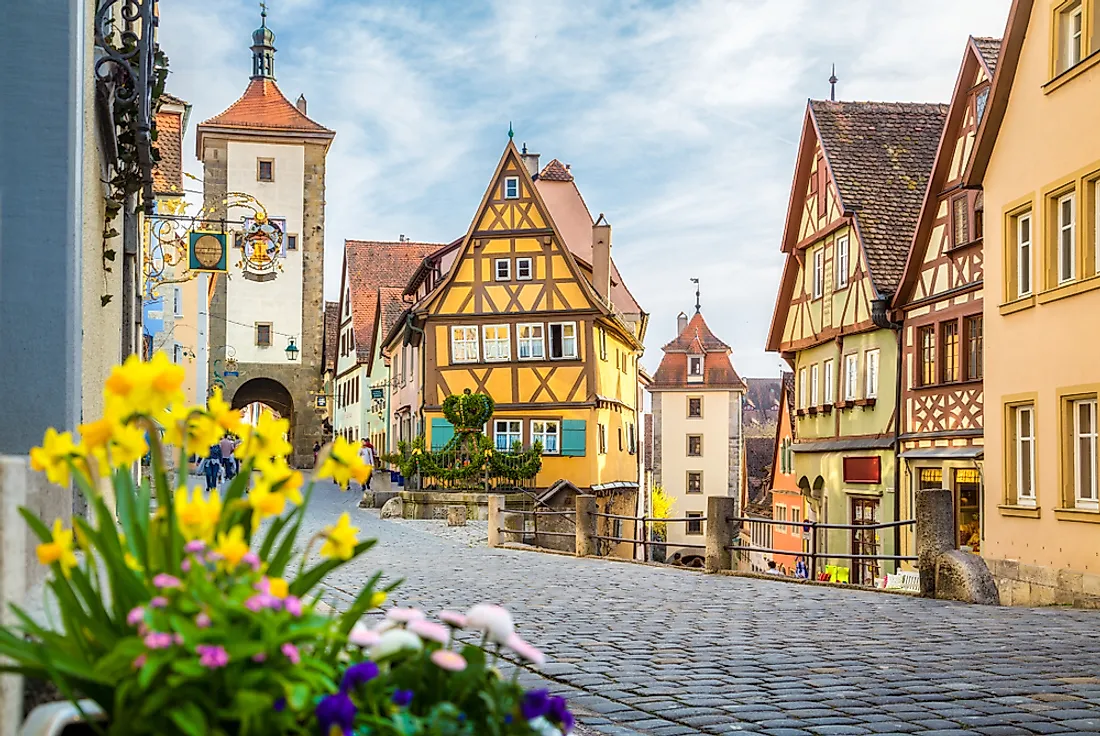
[(880, 315)]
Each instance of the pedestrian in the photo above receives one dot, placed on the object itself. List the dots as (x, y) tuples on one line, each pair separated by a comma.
[(212, 466), (316, 451), (366, 454), (226, 446), (800, 570), (772, 569)]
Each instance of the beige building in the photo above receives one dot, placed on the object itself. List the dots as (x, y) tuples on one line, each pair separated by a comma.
[(1037, 159), (698, 450)]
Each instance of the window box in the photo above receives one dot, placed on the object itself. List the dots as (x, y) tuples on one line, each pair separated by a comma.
[(827, 409), (800, 412), (865, 402), (812, 411), (843, 404)]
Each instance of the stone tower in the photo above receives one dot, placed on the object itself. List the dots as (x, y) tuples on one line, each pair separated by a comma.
[(266, 147)]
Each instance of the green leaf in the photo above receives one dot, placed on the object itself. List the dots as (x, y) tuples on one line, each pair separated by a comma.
[(40, 530), (190, 719), (359, 606), (307, 580)]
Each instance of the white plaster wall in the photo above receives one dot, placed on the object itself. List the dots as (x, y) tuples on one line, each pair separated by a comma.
[(350, 416), (278, 301)]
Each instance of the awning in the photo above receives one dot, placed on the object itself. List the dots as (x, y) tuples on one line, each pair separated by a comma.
[(874, 443), (944, 453)]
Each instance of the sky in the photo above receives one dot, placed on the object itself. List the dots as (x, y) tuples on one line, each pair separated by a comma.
[(680, 118)]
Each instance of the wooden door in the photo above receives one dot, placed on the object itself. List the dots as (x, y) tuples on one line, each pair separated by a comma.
[(864, 541)]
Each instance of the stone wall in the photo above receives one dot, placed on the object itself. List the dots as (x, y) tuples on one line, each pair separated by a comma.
[(433, 505), (1031, 585)]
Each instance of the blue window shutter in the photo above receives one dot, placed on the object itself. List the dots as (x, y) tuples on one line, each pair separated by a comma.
[(572, 437), (442, 432)]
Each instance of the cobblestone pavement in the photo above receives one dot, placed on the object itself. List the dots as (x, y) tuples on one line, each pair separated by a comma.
[(649, 650)]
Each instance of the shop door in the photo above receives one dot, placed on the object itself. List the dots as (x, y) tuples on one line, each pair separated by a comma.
[(864, 541), (968, 508)]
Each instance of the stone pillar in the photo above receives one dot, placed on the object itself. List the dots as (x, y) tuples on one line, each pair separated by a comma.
[(719, 532), (586, 525), (935, 515)]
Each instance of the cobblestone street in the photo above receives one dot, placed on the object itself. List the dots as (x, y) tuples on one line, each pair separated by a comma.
[(647, 650)]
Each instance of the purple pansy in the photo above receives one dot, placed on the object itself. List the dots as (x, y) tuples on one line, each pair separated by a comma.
[(336, 711), (535, 703), (357, 674), (402, 697)]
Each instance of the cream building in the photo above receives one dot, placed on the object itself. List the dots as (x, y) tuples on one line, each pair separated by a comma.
[(698, 449)]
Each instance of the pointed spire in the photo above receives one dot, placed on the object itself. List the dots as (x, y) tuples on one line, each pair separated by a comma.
[(511, 133), (697, 305), (832, 84), (263, 48)]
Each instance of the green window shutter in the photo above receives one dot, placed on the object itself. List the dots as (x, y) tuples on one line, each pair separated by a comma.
[(442, 432), (572, 437)]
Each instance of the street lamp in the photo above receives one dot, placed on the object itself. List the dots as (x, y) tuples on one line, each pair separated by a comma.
[(291, 350)]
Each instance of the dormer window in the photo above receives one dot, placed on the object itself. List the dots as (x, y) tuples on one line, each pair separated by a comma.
[(695, 368), (511, 187)]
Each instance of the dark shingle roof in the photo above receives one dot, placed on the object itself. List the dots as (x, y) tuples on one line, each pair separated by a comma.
[(759, 453), (990, 49), (880, 155)]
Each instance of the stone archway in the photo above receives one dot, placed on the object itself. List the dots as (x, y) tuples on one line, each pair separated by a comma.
[(269, 392)]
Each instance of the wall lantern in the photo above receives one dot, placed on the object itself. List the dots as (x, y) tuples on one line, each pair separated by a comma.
[(291, 350)]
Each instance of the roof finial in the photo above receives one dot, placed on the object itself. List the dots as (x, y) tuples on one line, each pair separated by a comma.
[(697, 306), (511, 133), (263, 13), (832, 84)]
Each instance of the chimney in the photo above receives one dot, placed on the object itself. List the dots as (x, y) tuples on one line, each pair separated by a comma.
[(531, 161), (681, 323), (301, 105), (601, 258)]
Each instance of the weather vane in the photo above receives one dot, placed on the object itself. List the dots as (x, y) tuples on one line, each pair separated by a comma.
[(697, 306)]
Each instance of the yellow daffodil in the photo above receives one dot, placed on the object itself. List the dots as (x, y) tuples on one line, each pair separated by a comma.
[(128, 446), (377, 598), (55, 456), (340, 539), (232, 546), (265, 440), (59, 549), (192, 428), (278, 475), (278, 587), (264, 503), (144, 387), (131, 562), (343, 463), (198, 517), (225, 416), (95, 435)]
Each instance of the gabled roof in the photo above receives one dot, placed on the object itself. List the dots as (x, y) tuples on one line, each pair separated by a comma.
[(880, 156), (555, 171), (696, 339), (759, 454), (263, 109), (370, 267), (332, 334)]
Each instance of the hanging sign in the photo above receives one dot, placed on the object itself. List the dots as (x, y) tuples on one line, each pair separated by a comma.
[(207, 252)]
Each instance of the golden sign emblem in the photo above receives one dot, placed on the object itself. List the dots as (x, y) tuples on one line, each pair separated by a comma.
[(208, 251)]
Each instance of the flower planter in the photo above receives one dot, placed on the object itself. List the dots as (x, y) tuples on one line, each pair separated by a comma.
[(57, 719)]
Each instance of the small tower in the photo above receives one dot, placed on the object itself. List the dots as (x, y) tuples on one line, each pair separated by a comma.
[(263, 49)]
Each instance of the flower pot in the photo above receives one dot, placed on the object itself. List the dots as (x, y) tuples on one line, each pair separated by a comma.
[(55, 719)]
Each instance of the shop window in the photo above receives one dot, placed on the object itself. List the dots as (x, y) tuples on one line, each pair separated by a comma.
[(930, 478)]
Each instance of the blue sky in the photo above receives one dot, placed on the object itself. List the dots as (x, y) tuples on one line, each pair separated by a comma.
[(680, 118)]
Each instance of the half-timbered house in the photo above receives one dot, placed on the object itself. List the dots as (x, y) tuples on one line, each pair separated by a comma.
[(859, 181), (940, 300)]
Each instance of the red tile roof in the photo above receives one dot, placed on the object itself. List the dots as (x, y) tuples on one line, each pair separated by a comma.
[(263, 107), (371, 267), (555, 171), (990, 49), (696, 339), (332, 334), (168, 171)]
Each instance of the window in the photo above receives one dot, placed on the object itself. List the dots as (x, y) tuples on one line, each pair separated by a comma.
[(781, 515), (602, 435), (502, 269), (980, 102), (529, 341), (1096, 218), (786, 457), (1066, 237), (563, 340), (511, 187), (177, 353), (177, 301), (851, 376), (960, 226), (632, 439), (974, 347), (506, 433), (926, 347), (695, 367), (695, 481), (871, 359), (1023, 254), (1023, 454), (802, 395), (603, 343), (695, 523), (796, 517), (819, 272), (830, 387), (524, 270), (265, 169), (464, 344), (841, 262), (263, 334), (1071, 36), (815, 386), (546, 431), (1084, 454), (695, 407), (949, 332), (498, 345), (292, 242), (695, 445)]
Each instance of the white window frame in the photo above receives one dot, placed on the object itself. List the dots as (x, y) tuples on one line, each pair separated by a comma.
[(871, 365), (565, 355), (527, 264), (1025, 444), (851, 376), (693, 361), (840, 261), (511, 187), (803, 396), (540, 431), (497, 348), (1084, 497), (502, 269), (464, 341), (531, 342), (819, 273), (1096, 219), (602, 437), (1072, 41), (1063, 230), (513, 432), (1024, 256), (830, 386), (815, 385)]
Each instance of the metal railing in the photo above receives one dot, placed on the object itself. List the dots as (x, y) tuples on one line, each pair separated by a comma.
[(468, 473)]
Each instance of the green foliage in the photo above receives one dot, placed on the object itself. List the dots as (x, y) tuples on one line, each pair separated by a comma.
[(468, 411)]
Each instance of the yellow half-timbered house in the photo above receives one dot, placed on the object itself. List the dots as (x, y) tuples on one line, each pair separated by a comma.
[(525, 312)]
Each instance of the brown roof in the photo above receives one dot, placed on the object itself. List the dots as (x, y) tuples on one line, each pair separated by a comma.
[(168, 171), (332, 332), (759, 454), (392, 303), (788, 396), (990, 49), (555, 171), (696, 338), (167, 98), (371, 266), (263, 107), (880, 155)]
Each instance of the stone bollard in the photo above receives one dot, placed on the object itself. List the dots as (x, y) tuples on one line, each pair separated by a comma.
[(586, 525), (456, 516), (719, 532), (935, 514), (496, 506)]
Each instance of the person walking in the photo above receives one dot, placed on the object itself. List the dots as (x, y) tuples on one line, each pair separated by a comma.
[(366, 454), (226, 446), (212, 466), (316, 451)]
